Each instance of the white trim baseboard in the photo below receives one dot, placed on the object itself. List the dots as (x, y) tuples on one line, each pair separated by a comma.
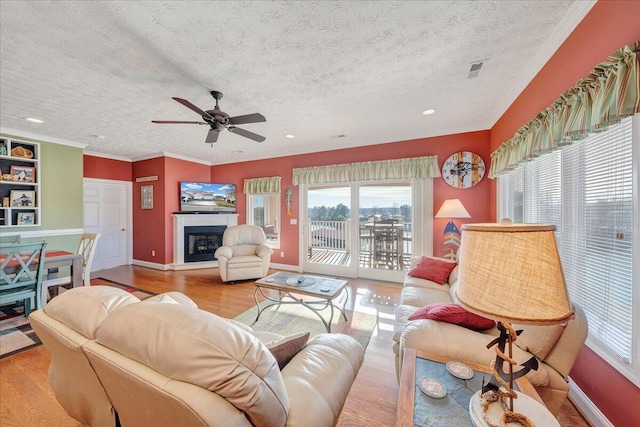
[(154, 265), (588, 408), (286, 267)]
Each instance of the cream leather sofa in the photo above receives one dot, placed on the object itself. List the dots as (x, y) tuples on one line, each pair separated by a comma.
[(556, 347), (244, 253), (164, 362)]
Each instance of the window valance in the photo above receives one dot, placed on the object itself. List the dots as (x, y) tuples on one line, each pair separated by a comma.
[(609, 93), (262, 185), (414, 167)]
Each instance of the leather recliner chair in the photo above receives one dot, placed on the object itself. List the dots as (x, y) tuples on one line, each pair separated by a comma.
[(244, 253)]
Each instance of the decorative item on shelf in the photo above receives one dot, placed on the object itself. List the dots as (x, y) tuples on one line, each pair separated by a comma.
[(5, 202), (495, 254), (463, 170), (7, 177), (22, 198), (23, 152), (26, 218), (23, 174), (287, 200), (452, 208)]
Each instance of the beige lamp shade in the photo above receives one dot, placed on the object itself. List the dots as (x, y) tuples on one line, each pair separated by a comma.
[(452, 208), (512, 273)]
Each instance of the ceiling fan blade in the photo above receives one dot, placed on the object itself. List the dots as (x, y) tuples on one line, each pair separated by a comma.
[(192, 107), (246, 134), (164, 122), (247, 118), (212, 136)]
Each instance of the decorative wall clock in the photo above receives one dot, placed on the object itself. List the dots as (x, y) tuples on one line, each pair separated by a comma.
[(463, 170)]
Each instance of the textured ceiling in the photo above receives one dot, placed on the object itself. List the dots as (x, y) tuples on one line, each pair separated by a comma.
[(98, 72)]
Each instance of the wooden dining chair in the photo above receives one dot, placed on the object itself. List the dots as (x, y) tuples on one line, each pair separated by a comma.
[(86, 248), (21, 272)]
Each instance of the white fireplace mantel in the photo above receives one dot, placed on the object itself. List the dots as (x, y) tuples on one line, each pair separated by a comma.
[(180, 221)]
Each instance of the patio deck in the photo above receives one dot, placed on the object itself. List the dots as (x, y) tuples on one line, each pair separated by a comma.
[(343, 258)]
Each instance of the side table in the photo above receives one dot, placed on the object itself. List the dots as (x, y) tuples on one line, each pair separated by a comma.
[(407, 398)]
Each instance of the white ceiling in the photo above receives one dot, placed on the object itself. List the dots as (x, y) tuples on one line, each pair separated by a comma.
[(98, 72)]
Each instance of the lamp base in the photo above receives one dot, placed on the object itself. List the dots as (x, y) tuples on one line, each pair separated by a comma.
[(534, 410)]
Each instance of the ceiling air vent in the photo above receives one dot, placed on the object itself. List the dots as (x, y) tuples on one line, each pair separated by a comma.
[(475, 68)]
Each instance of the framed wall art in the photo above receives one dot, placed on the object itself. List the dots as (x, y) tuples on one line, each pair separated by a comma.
[(147, 196)]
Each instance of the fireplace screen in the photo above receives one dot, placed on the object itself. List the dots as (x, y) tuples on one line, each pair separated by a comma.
[(201, 242)]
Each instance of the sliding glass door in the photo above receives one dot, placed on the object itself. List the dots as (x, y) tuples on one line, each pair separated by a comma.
[(364, 229)]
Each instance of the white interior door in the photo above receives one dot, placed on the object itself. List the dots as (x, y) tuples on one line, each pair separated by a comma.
[(107, 210)]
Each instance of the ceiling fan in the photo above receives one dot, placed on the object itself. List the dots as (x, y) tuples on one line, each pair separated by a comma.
[(219, 120)]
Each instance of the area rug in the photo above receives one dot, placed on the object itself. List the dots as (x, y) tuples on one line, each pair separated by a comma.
[(140, 293), (16, 334), (287, 319)]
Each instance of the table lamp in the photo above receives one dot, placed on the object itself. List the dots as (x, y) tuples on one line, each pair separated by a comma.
[(452, 208), (512, 273)]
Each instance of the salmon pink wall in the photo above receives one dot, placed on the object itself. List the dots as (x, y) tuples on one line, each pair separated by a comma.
[(475, 199), (177, 170), (149, 225), (608, 26), (153, 228), (102, 168)]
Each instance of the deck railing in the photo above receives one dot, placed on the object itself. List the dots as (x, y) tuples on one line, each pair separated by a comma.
[(335, 236)]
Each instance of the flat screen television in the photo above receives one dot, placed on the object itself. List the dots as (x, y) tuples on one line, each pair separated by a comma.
[(207, 197)]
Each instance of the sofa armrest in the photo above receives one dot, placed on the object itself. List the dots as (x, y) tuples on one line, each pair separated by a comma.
[(223, 252), (319, 377), (263, 250), (462, 344)]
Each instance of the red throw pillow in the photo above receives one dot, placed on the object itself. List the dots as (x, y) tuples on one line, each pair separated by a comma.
[(432, 269), (453, 313)]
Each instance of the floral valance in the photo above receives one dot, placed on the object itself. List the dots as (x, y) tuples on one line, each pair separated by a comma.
[(414, 167), (609, 93), (262, 185)]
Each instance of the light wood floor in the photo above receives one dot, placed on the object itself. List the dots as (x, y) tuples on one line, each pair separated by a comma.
[(26, 399)]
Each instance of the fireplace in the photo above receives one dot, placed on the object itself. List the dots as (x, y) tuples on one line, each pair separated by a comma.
[(200, 242), (182, 221)]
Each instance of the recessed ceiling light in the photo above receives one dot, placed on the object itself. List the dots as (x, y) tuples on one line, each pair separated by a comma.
[(429, 111), (289, 136), (31, 119)]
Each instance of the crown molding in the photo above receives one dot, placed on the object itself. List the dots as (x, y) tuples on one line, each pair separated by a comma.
[(107, 156), (172, 155), (43, 138)]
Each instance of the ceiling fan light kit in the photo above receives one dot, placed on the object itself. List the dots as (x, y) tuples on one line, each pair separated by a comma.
[(218, 120)]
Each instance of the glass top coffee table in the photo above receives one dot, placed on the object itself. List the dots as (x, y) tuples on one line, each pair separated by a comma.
[(322, 290)]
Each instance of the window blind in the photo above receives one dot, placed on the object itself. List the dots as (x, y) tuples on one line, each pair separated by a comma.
[(586, 190), (597, 258)]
